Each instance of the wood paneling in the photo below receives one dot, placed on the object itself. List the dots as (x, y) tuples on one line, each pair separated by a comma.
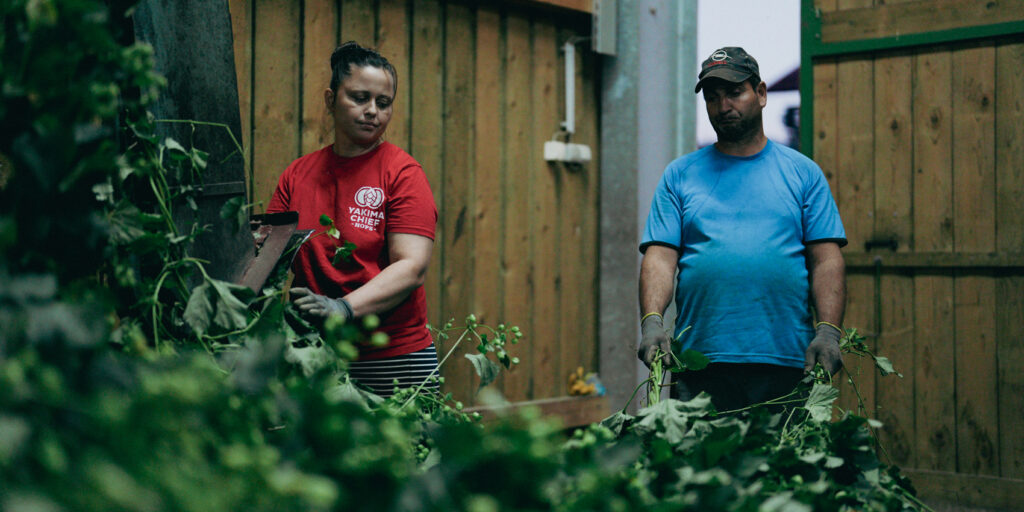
[(942, 173), (425, 112), (545, 191), (934, 361), (241, 28), (393, 42), (480, 88), (892, 19), (319, 38), (458, 242), (974, 230), (1010, 238), (517, 159), (275, 119)]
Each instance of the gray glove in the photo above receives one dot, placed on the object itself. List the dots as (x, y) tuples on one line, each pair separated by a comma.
[(317, 305), (653, 336), (824, 349)]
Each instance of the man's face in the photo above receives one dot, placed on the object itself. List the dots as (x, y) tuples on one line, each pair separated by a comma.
[(734, 109)]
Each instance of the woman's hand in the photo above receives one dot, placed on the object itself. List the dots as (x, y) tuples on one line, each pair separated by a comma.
[(321, 306)]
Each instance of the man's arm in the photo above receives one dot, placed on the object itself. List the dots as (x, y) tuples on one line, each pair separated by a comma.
[(657, 273), (828, 281), (828, 291)]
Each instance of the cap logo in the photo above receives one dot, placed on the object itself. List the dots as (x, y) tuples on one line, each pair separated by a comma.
[(720, 55)]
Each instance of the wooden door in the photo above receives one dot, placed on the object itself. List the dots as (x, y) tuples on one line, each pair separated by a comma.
[(916, 115)]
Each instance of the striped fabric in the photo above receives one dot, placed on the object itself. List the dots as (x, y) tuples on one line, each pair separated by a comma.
[(409, 369)]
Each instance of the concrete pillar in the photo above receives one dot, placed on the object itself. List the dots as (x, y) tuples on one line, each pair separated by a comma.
[(647, 121)]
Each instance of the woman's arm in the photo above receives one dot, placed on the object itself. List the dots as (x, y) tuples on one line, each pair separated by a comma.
[(409, 257)]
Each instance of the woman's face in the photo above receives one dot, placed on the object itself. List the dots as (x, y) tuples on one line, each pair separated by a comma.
[(362, 106)]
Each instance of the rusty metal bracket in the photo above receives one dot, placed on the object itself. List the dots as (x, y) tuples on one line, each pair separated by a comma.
[(276, 241)]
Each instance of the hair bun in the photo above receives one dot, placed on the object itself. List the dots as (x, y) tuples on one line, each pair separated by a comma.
[(351, 53)]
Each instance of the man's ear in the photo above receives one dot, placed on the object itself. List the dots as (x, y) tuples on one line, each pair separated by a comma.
[(329, 99), (762, 93)]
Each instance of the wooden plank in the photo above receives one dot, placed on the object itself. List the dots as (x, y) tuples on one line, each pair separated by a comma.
[(825, 5), (426, 133), (974, 149), (393, 43), (974, 230), (586, 6), (319, 38), (358, 22), (1010, 237), (855, 133), (825, 121), (572, 213), (1010, 355), (861, 261), (457, 267), (860, 313), (892, 158), (241, 31), (545, 184), (900, 19), (945, 490), (573, 411), (976, 375), (933, 371), (934, 361), (1009, 147), (933, 155), (893, 177), (895, 395), (487, 184), (518, 286), (275, 138), (587, 179), (845, 5)]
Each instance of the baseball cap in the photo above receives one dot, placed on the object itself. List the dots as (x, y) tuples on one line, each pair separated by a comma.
[(731, 63)]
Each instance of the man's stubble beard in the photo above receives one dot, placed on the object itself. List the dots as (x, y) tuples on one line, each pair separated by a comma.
[(745, 130)]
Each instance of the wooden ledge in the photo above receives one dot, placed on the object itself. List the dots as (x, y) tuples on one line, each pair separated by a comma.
[(574, 411), (964, 490)]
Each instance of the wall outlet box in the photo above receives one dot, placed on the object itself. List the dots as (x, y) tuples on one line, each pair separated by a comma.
[(555, 151)]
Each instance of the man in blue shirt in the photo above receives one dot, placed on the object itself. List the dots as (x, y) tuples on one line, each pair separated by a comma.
[(755, 234)]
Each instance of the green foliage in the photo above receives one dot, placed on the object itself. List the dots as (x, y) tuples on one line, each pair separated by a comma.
[(133, 381)]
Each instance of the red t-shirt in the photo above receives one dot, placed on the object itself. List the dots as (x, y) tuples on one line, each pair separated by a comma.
[(368, 196)]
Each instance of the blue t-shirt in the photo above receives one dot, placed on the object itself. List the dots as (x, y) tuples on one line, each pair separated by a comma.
[(741, 225)]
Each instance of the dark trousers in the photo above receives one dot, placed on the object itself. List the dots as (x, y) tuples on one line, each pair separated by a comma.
[(737, 385)]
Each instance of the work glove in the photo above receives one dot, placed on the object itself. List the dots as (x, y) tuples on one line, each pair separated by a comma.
[(316, 305), (653, 336), (824, 349)]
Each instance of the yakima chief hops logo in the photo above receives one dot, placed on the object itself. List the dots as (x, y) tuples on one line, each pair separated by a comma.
[(370, 197), (367, 216)]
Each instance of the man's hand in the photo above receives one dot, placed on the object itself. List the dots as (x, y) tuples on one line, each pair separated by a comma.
[(317, 305), (824, 349), (654, 337)]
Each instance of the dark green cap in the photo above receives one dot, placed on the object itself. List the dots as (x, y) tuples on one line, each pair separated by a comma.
[(730, 63)]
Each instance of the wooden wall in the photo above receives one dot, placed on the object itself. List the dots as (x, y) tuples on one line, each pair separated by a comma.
[(925, 146), (481, 87)]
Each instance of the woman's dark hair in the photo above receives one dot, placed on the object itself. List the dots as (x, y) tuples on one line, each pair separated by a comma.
[(352, 54)]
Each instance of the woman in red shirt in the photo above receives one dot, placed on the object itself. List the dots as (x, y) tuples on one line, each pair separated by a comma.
[(380, 201)]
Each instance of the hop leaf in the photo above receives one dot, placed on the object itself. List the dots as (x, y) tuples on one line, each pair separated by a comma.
[(485, 368)]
